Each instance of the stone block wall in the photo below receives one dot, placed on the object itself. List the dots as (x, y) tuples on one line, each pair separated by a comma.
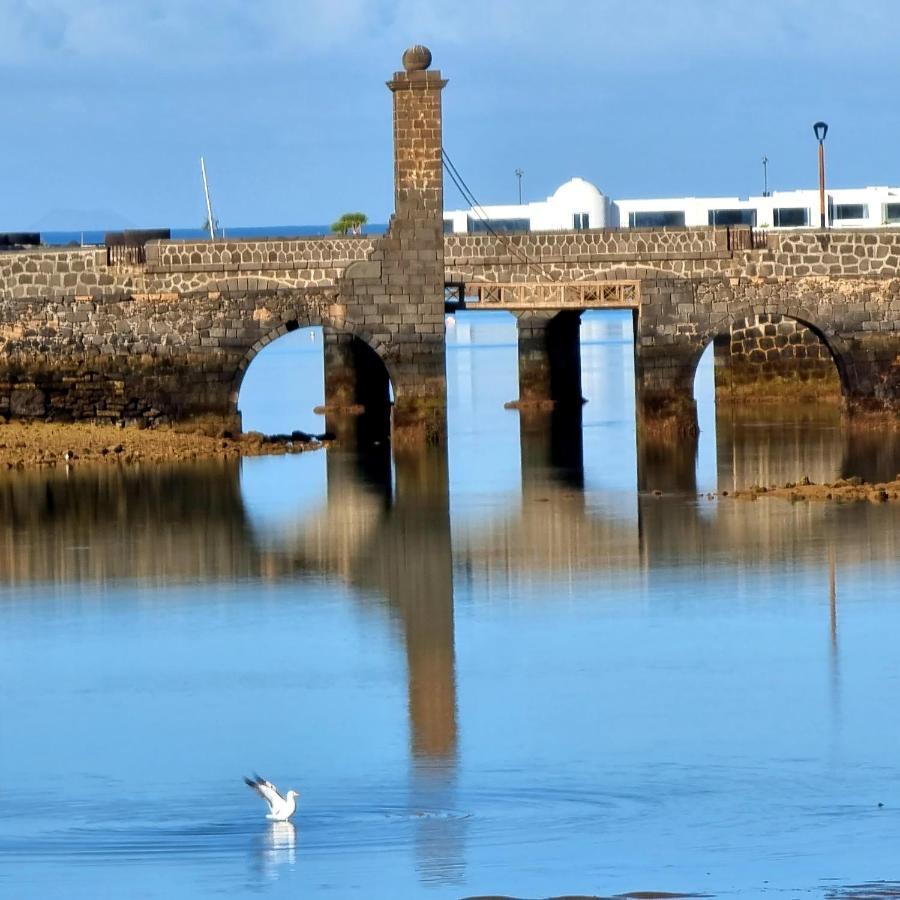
[(81, 338), (772, 357), (580, 255), (185, 266), (686, 252), (58, 273), (152, 359), (181, 267), (400, 293), (85, 336)]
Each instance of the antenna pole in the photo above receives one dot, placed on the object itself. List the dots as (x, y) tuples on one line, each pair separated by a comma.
[(209, 215)]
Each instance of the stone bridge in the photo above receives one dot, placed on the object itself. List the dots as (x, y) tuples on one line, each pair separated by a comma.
[(688, 287), (165, 331)]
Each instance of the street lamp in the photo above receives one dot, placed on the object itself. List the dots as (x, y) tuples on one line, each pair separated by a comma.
[(820, 129), (519, 174), (765, 162)]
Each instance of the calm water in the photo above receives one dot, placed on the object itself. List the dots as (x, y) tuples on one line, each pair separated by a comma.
[(508, 669)]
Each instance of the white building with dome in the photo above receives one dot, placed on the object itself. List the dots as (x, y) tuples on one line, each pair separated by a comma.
[(576, 198), (579, 205)]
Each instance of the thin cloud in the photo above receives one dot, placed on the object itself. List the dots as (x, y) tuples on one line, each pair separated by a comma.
[(639, 34)]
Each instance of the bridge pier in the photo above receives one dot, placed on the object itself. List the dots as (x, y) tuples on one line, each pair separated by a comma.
[(664, 389), (357, 392), (665, 409), (871, 376), (549, 359)]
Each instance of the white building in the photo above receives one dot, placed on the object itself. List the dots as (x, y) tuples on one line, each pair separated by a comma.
[(578, 205)]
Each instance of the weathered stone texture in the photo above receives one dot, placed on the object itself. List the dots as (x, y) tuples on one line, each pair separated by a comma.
[(82, 336), (690, 252), (696, 283), (776, 358), (89, 334)]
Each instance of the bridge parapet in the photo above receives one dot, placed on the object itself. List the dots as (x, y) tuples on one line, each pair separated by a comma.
[(49, 273), (689, 252), (178, 267), (566, 247), (257, 256)]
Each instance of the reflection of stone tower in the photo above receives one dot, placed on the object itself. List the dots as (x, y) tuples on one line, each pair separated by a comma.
[(423, 596), (403, 554)]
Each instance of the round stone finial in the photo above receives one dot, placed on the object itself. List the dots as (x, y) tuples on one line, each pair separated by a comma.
[(416, 58)]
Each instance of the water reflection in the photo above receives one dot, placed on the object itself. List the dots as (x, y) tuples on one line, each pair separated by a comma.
[(774, 444), (552, 446), (277, 848), (156, 524), (833, 634), (383, 528)]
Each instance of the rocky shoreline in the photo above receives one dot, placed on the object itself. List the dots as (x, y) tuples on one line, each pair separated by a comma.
[(42, 444), (844, 489)]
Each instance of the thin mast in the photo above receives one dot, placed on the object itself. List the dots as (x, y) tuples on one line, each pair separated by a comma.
[(209, 215)]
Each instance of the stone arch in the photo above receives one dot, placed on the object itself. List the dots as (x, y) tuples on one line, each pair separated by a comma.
[(306, 320), (293, 321), (835, 345), (243, 285)]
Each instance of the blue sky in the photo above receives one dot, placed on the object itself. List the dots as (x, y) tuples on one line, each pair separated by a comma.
[(108, 104)]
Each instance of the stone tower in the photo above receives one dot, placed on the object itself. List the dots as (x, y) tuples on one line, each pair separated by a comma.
[(400, 289), (413, 262)]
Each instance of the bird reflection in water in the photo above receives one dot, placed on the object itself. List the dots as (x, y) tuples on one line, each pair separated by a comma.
[(277, 848)]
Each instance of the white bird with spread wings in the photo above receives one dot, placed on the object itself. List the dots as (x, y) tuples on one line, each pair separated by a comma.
[(280, 808)]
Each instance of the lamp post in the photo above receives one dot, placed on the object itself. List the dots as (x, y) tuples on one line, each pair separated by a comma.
[(765, 162), (820, 129), (519, 174)]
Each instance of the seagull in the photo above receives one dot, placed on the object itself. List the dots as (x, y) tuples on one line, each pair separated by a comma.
[(280, 808)]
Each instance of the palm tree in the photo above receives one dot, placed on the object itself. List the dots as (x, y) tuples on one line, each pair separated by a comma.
[(350, 223)]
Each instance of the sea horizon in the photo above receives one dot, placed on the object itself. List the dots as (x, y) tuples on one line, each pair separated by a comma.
[(92, 236)]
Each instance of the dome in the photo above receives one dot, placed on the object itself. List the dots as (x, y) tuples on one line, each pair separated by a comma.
[(577, 204), (578, 191)]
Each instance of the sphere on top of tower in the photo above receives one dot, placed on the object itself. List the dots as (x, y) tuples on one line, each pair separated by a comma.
[(417, 58)]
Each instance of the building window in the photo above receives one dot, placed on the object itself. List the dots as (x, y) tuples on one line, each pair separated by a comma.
[(732, 217), (661, 219), (581, 221), (892, 213), (500, 226), (448, 226), (842, 211), (791, 217)]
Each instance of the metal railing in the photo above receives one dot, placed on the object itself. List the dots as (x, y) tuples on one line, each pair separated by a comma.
[(128, 248), (746, 238), (545, 295), (126, 255)]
